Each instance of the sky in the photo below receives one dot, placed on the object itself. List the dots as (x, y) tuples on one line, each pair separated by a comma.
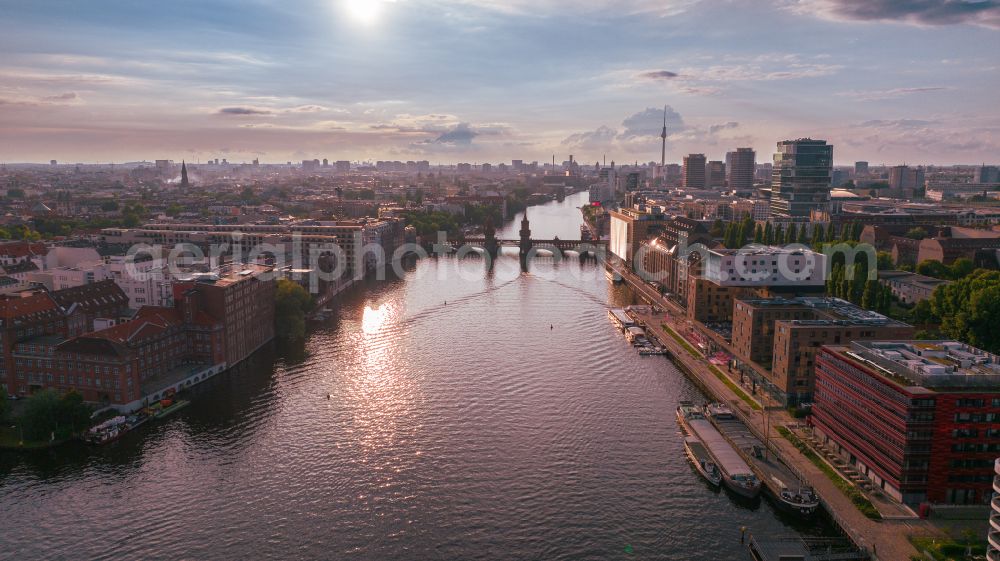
[(915, 81)]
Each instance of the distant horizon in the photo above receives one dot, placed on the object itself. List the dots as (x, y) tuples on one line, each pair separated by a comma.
[(467, 81), (434, 164)]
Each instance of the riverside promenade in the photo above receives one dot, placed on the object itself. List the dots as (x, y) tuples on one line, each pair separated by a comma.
[(885, 540)]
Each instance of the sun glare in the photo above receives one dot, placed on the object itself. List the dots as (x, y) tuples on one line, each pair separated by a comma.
[(363, 11)]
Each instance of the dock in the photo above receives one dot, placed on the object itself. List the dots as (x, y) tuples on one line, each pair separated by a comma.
[(804, 549), (889, 536)]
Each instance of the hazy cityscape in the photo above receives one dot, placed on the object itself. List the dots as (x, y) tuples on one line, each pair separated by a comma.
[(439, 279)]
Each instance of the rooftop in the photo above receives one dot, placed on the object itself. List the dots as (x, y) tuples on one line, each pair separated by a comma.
[(930, 364), (828, 311)]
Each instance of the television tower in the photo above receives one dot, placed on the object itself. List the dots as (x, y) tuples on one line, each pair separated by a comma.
[(663, 138)]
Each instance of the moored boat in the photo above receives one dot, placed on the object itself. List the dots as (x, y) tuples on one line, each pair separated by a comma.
[(736, 474), (702, 461)]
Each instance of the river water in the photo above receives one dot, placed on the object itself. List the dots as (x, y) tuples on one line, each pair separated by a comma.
[(451, 413)]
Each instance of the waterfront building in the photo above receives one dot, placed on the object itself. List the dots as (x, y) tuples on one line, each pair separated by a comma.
[(801, 178), (917, 418), (783, 335), (632, 225), (694, 171), (716, 277), (73, 339), (242, 297)]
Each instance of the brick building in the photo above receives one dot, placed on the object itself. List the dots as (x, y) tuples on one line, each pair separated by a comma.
[(918, 418), (786, 333)]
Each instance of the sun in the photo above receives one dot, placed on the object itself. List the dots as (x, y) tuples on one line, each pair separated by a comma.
[(363, 11)]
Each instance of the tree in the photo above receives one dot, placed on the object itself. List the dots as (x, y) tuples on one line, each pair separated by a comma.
[(718, 228), (856, 229), (758, 234), (746, 230), (831, 233), (779, 235), (884, 260), (917, 233), (819, 234), (934, 269), (962, 267), (768, 234), (73, 412), (791, 234), (871, 299), (732, 236), (40, 418), (292, 302), (969, 309), (802, 238)]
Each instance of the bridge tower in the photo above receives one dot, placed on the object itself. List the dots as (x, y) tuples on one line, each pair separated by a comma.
[(525, 235), (490, 243)]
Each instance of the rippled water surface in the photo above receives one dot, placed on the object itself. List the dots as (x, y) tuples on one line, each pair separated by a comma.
[(512, 422)]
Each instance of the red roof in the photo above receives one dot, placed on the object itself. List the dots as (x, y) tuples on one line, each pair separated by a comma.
[(15, 306), (22, 249)]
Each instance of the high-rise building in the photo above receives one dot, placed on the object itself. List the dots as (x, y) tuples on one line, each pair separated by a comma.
[(694, 171), (986, 174), (800, 178), (903, 180), (740, 167), (343, 166), (715, 174), (860, 168)]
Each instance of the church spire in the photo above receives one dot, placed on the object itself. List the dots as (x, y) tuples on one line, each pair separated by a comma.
[(184, 175)]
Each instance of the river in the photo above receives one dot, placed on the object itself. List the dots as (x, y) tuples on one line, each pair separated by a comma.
[(450, 413)]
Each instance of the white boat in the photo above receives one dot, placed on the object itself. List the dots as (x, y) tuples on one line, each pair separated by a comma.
[(702, 461), (621, 319), (686, 411), (719, 411)]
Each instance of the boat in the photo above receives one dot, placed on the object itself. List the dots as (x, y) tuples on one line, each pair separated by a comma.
[(653, 351), (621, 319), (702, 461), (172, 408), (113, 429), (719, 411), (635, 335), (688, 410), (737, 476), (782, 486)]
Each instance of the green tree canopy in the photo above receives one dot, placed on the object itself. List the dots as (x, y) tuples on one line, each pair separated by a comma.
[(292, 302)]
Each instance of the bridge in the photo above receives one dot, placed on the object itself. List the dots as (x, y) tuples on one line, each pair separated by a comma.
[(491, 244)]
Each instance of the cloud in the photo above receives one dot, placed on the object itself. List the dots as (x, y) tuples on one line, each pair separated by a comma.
[(649, 122), (984, 13), (68, 96), (658, 75), (876, 95), (661, 8), (243, 111), (461, 135), (896, 123), (725, 126), (600, 138)]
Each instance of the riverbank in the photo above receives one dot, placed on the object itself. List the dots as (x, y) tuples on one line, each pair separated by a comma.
[(887, 540)]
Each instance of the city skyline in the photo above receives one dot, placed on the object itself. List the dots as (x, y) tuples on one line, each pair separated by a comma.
[(451, 80)]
